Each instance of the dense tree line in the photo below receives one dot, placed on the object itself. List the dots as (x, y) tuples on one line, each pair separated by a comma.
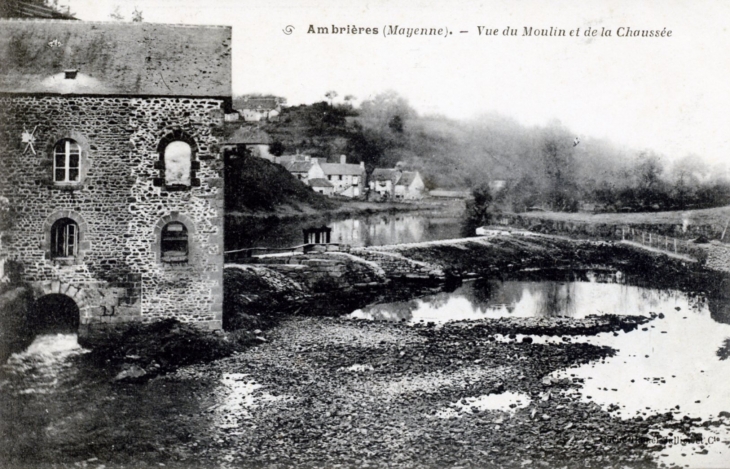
[(541, 167)]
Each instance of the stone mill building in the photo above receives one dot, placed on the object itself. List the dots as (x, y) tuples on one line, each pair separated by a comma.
[(109, 156)]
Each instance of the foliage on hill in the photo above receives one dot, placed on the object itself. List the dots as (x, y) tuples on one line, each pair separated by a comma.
[(254, 184), (541, 166)]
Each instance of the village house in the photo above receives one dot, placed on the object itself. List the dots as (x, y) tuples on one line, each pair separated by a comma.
[(382, 182), (302, 167), (396, 184), (112, 163), (322, 186), (410, 186), (344, 179), (254, 140), (256, 109), (348, 179)]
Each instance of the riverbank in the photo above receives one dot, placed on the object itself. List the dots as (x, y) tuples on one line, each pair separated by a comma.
[(322, 392), (346, 208), (325, 392), (487, 257)]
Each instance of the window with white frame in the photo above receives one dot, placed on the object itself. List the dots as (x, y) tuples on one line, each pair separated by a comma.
[(64, 239), (66, 161)]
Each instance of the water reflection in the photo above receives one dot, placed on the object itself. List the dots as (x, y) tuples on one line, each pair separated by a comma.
[(370, 230), (489, 298), (393, 229), (677, 363), (672, 365)]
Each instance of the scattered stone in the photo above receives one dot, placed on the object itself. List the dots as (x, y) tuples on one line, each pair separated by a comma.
[(131, 373)]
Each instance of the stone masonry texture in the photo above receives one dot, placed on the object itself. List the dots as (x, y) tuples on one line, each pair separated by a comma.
[(120, 211)]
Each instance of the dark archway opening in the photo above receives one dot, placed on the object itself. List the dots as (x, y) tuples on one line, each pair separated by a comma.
[(54, 313)]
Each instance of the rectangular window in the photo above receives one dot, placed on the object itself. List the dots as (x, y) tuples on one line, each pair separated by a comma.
[(66, 161), (64, 239)]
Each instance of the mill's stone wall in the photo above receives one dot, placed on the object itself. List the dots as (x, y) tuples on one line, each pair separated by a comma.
[(119, 205)]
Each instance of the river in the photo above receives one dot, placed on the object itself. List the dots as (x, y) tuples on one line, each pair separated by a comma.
[(677, 363), (54, 406), (357, 231)]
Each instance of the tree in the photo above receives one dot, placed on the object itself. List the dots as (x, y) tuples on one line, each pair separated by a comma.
[(649, 170), (396, 124), (382, 108), (116, 15), (651, 191), (480, 211), (349, 99), (331, 95), (276, 148), (557, 154)]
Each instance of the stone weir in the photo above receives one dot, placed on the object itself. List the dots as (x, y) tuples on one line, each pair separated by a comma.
[(439, 261), (358, 268), (428, 262)]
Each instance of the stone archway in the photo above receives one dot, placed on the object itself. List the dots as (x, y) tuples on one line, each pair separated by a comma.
[(54, 313)]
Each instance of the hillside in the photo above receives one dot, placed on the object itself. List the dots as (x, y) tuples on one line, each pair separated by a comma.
[(539, 166), (257, 185)]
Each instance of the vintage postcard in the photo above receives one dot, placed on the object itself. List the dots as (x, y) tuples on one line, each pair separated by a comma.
[(364, 234)]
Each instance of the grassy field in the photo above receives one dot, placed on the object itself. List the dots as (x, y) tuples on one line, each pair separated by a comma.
[(718, 216)]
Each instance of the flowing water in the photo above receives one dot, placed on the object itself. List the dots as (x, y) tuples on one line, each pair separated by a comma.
[(54, 406)]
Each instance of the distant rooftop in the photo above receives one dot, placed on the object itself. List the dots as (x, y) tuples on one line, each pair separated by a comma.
[(383, 174), (264, 103), (141, 59), (20, 9), (319, 182), (342, 169), (299, 166), (407, 178)]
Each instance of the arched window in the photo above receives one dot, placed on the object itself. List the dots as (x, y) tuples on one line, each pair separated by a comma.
[(66, 161), (174, 243), (64, 239), (178, 163)]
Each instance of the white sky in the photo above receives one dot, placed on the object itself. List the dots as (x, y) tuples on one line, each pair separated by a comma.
[(667, 94)]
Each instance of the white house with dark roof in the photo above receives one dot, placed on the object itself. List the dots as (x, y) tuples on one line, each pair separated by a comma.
[(303, 167), (344, 179), (410, 186), (394, 183), (261, 108), (382, 182), (348, 179)]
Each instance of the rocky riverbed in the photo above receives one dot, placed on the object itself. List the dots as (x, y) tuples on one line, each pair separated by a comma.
[(325, 392)]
